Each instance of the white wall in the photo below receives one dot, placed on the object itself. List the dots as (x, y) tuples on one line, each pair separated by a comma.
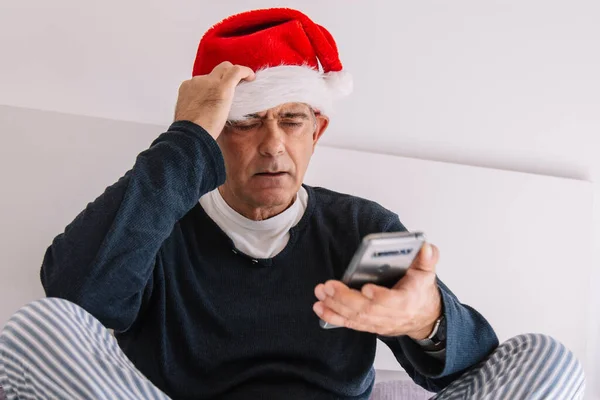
[(52, 165), (511, 84), (506, 84)]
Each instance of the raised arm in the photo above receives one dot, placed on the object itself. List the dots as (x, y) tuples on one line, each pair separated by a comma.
[(104, 259)]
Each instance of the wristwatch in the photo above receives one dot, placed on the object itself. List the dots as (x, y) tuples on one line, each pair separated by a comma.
[(437, 338)]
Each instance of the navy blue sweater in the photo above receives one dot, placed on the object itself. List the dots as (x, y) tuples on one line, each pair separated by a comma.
[(202, 320)]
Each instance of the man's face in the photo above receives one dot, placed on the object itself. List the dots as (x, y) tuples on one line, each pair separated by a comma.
[(266, 155)]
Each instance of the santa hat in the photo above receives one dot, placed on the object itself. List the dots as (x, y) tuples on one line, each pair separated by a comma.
[(285, 49)]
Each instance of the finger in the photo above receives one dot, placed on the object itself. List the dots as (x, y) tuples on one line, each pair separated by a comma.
[(373, 324), (427, 258), (343, 300), (220, 69), (238, 73), (184, 85), (328, 315), (353, 305), (383, 296), (320, 292)]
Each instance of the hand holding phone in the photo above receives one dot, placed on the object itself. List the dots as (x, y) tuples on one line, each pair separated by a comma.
[(381, 259)]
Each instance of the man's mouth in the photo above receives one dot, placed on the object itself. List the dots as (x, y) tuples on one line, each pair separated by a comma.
[(273, 174)]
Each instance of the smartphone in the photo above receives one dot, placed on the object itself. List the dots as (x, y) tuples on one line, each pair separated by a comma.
[(381, 259)]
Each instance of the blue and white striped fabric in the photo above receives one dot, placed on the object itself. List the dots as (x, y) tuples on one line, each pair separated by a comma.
[(531, 366), (54, 349)]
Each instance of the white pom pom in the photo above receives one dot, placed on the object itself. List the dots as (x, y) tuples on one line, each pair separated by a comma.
[(340, 83)]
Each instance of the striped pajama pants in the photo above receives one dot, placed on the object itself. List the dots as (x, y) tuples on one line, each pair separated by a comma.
[(53, 349)]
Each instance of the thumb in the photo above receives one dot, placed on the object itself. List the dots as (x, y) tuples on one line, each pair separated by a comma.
[(427, 258)]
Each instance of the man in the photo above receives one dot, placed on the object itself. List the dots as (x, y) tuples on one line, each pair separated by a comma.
[(206, 258)]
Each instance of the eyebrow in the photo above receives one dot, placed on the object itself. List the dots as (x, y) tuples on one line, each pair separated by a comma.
[(298, 114)]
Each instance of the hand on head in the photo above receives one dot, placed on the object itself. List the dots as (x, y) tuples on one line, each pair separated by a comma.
[(206, 99)]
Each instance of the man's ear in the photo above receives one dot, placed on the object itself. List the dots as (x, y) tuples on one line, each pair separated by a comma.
[(322, 124)]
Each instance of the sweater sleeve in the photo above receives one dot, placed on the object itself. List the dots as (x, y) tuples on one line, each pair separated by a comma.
[(104, 259), (469, 339)]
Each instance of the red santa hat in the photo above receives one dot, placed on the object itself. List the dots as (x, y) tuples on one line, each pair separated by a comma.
[(285, 49)]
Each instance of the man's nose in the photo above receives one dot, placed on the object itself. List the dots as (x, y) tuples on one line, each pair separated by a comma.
[(273, 139)]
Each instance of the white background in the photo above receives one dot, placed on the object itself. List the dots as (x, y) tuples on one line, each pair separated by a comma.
[(504, 84)]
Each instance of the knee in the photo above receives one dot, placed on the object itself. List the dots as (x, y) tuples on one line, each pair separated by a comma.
[(550, 360), (543, 348), (30, 316), (539, 345)]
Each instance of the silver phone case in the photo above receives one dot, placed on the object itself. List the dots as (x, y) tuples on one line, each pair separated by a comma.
[(382, 259)]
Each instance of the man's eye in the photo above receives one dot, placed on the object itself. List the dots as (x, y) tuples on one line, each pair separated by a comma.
[(244, 127), (289, 123)]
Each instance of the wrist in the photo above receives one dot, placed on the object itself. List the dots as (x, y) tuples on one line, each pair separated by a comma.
[(436, 340), (211, 129), (431, 322), (425, 332)]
